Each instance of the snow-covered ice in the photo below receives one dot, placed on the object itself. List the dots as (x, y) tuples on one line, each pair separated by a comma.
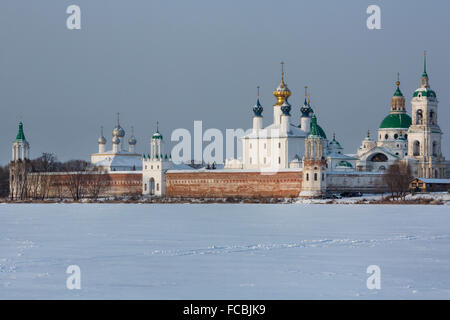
[(224, 251)]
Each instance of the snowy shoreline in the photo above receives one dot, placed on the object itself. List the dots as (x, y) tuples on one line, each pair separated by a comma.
[(438, 198)]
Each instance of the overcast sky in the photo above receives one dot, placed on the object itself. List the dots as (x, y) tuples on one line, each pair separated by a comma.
[(180, 61)]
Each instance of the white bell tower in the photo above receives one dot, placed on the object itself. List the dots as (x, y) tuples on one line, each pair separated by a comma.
[(424, 134)]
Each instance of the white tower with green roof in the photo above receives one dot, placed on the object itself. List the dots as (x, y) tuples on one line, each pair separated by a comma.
[(424, 135), (154, 167), (19, 165)]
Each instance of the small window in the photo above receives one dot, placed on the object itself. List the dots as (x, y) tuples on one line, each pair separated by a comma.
[(250, 145), (279, 145), (386, 136), (307, 177), (250, 160), (315, 176), (323, 176), (157, 187), (395, 136), (279, 160), (264, 146)]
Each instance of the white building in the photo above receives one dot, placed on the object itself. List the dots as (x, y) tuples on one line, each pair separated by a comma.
[(281, 144), (117, 159)]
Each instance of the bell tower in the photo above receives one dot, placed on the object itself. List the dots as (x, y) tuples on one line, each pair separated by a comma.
[(424, 134), (314, 181)]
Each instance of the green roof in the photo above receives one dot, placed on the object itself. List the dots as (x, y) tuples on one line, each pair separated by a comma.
[(20, 135), (314, 131), (425, 93), (321, 132), (398, 93), (344, 164), (396, 120), (157, 135)]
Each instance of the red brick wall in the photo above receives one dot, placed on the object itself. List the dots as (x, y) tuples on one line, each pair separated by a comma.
[(236, 184), (115, 184)]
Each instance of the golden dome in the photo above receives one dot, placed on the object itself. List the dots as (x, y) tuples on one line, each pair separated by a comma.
[(282, 92)]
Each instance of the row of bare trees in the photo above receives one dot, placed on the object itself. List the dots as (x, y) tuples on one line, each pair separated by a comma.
[(48, 178)]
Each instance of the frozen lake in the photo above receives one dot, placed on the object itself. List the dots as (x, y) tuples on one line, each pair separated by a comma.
[(224, 251)]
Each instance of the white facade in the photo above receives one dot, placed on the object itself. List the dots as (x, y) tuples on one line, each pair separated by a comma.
[(154, 168)]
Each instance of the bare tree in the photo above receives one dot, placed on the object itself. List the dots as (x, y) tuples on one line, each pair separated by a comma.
[(76, 178), (97, 181), (40, 179), (397, 178)]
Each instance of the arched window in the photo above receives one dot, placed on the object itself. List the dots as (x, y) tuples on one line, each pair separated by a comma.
[(419, 117), (315, 176), (382, 168), (152, 186), (379, 157), (307, 177), (431, 120), (416, 148), (386, 136)]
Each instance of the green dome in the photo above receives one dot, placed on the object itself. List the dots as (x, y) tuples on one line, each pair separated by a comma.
[(396, 120), (425, 93)]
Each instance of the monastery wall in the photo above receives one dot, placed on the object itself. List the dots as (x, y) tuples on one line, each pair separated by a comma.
[(355, 182), (241, 184), (60, 185)]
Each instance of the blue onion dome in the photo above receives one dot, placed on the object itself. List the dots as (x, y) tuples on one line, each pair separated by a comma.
[(306, 109), (118, 132), (101, 140), (286, 108), (132, 141), (258, 109), (115, 140)]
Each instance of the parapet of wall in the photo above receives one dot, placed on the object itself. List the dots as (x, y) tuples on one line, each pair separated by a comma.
[(367, 182), (242, 184)]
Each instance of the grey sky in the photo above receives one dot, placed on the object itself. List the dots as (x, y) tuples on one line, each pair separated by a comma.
[(180, 61)]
